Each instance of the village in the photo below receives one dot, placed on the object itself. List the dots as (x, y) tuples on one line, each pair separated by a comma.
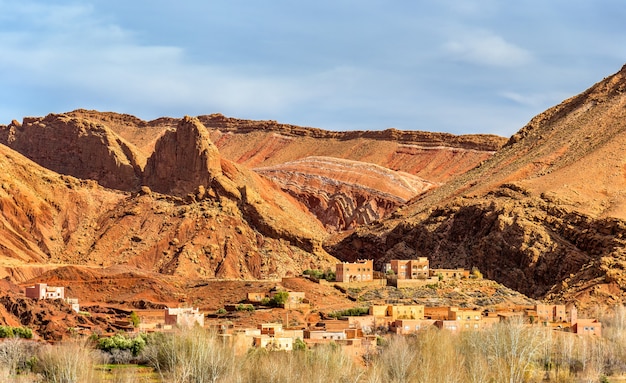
[(357, 331)]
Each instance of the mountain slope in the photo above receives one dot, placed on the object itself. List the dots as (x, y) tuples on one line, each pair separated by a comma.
[(544, 215), (231, 224), (344, 194)]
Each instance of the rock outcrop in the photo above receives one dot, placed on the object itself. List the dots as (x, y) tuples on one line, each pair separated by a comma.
[(183, 160), (76, 147), (344, 194)]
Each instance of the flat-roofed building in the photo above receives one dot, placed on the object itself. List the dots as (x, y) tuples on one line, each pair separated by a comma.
[(360, 271), (410, 268), (43, 291), (184, 317)]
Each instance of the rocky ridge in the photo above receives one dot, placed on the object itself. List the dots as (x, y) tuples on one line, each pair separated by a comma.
[(49, 219), (544, 215)]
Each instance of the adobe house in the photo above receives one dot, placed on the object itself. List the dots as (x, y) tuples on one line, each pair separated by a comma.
[(450, 325), (325, 334), (551, 313), (410, 326), (410, 268), (270, 328), (437, 312), (468, 319), (587, 327), (43, 291), (184, 317), (256, 297), (273, 343), (398, 311), (360, 271)]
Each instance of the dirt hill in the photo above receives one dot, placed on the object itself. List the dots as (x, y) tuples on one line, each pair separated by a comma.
[(544, 215)]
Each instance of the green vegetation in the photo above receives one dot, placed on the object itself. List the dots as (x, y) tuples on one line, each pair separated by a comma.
[(134, 344), (19, 332), (244, 307), (352, 312), (475, 273), (328, 275), (221, 311), (279, 298), (134, 319)]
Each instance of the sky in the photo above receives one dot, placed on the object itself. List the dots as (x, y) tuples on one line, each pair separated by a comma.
[(471, 66)]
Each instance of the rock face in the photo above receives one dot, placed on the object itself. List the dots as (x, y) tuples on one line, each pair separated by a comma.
[(76, 147), (545, 215), (432, 156), (217, 220), (183, 160), (345, 194)]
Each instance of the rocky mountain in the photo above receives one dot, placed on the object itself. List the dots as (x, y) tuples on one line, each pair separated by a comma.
[(344, 194), (123, 144), (544, 215), (77, 147), (216, 219)]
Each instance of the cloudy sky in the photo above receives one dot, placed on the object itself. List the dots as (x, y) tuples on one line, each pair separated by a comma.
[(471, 66)]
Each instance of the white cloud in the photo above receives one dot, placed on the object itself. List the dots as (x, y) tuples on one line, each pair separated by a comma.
[(486, 48), (87, 55)]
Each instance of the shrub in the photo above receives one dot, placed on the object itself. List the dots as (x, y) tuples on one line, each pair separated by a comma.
[(244, 307), (134, 344), (193, 355), (221, 311), (135, 320), (15, 355), (279, 298), (20, 332), (351, 312)]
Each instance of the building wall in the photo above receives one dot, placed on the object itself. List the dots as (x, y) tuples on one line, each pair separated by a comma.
[(410, 268), (38, 291), (274, 343), (359, 271), (184, 317), (406, 312), (43, 291), (587, 327), (410, 326), (449, 273)]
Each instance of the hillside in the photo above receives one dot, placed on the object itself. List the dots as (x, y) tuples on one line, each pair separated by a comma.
[(544, 215), (344, 194), (52, 219)]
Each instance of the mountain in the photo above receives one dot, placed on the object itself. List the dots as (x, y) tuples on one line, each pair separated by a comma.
[(544, 215), (203, 217), (344, 194)]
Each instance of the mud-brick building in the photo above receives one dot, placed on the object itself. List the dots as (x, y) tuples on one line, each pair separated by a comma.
[(43, 291), (184, 317), (360, 271), (410, 268)]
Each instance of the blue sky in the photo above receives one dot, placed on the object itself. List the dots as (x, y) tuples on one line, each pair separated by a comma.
[(472, 66)]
